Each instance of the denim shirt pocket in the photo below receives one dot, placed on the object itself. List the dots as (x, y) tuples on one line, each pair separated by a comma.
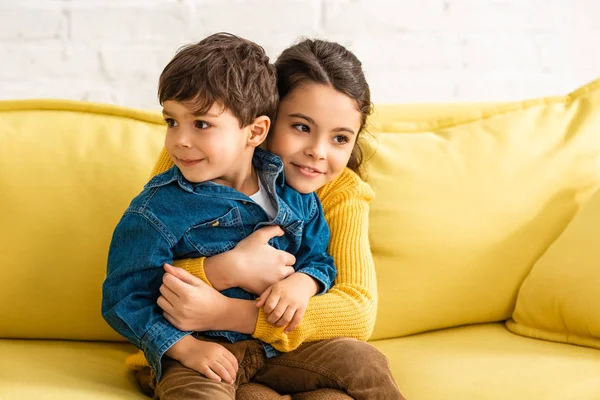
[(218, 235)]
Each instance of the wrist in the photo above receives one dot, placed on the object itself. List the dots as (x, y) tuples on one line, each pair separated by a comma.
[(239, 316), (180, 348), (216, 272), (309, 284)]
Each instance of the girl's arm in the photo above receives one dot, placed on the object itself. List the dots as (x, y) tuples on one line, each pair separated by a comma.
[(350, 307)]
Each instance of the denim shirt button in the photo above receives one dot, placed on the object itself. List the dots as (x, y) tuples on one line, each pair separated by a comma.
[(244, 202), (216, 223)]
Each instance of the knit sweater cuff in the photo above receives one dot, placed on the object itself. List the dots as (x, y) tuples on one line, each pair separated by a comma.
[(194, 266), (268, 333)]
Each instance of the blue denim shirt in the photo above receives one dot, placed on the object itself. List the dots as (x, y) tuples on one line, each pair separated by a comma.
[(173, 218)]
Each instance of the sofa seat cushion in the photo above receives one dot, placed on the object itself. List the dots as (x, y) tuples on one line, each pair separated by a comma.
[(52, 369), (489, 362)]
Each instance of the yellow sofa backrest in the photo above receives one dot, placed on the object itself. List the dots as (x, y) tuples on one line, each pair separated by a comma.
[(69, 170), (468, 197)]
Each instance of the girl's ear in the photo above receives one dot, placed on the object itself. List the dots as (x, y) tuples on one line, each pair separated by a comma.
[(258, 130)]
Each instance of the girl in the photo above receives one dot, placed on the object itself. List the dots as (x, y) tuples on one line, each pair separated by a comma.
[(324, 104)]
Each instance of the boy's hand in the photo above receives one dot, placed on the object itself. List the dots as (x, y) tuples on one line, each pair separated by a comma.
[(285, 302), (258, 265), (210, 359)]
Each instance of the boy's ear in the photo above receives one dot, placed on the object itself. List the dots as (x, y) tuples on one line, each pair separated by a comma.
[(258, 130)]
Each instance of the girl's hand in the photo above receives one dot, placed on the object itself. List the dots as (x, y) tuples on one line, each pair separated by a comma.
[(285, 302), (252, 264), (188, 303)]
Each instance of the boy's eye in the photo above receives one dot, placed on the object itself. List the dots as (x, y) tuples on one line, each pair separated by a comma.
[(341, 139), (201, 125), (302, 128), (171, 123)]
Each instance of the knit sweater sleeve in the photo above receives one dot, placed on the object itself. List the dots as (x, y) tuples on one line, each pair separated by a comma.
[(350, 307), (194, 266)]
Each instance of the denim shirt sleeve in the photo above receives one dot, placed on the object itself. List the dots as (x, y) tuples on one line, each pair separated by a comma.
[(140, 246), (312, 258)]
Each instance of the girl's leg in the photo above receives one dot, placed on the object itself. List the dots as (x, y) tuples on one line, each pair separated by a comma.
[(349, 365)]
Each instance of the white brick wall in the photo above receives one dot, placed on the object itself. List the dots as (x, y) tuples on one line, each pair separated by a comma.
[(428, 50)]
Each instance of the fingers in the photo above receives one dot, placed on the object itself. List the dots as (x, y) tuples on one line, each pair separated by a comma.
[(210, 374), (263, 235), (271, 302), (287, 258), (295, 321), (178, 287), (277, 313), (263, 297), (181, 274), (234, 362), (286, 317), (231, 366), (164, 304), (168, 294), (222, 371)]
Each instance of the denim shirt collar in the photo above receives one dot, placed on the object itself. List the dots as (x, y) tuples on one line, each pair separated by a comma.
[(267, 162)]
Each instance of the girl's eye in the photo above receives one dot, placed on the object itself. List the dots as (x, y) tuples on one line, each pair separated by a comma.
[(302, 128), (171, 123), (341, 139), (201, 125)]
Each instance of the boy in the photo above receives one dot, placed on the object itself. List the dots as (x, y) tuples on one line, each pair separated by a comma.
[(219, 97)]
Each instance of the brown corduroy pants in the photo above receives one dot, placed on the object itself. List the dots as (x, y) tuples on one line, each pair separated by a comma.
[(335, 369)]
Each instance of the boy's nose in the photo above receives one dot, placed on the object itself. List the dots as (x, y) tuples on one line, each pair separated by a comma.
[(183, 139)]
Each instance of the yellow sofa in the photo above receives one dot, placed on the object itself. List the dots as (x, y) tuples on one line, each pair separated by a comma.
[(470, 197)]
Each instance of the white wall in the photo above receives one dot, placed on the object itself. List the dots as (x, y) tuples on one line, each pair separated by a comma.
[(426, 50)]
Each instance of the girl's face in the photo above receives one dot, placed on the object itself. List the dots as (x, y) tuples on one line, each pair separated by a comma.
[(314, 134)]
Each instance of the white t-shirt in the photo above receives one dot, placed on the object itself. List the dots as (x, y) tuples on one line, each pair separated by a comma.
[(262, 199)]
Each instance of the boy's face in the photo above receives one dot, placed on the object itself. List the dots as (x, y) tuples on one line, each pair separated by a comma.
[(314, 134), (207, 147)]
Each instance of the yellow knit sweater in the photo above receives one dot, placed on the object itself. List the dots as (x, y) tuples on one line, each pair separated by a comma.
[(349, 307)]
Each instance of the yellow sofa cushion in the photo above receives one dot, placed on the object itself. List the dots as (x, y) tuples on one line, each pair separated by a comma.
[(489, 362), (63, 370), (465, 205), (560, 299), (69, 170)]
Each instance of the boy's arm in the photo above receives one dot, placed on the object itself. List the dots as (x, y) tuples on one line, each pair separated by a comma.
[(138, 250)]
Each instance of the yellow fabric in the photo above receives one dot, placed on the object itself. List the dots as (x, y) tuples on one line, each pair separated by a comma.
[(466, 205), (488, 362), (469, 363), (560, 299), (350, 307), (68, 171), (63, 370)]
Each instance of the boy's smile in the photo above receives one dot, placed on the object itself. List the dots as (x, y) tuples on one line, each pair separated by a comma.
[(209, 147)]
